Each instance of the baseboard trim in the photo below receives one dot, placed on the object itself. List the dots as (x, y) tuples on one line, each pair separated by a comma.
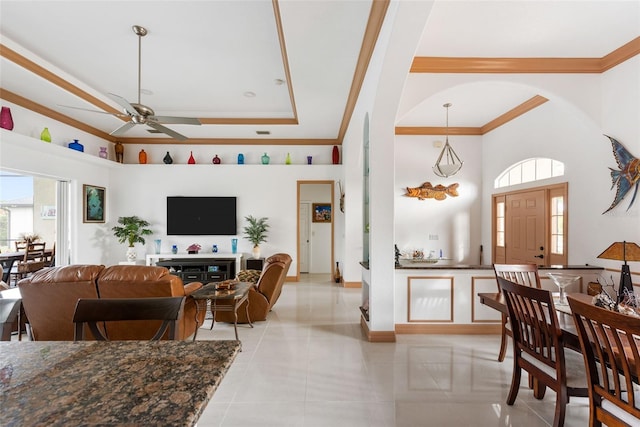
[(473, 329), (352, 285), (376, 336)]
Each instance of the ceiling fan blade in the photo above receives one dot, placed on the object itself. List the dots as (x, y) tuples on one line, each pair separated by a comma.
[(92, 111), (128, 108), (164, 129), (175, 120), (122, 129)]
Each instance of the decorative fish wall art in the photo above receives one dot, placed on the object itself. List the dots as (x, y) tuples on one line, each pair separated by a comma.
[(428, 191), (626, 177)]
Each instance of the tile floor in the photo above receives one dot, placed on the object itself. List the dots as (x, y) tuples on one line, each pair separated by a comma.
[(309, 365)]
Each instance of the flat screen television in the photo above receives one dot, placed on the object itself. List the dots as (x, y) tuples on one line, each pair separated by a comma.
[(193, 216)]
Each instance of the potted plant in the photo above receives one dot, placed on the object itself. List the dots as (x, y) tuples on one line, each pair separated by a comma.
[(131, 230), (256, 233), (29, 237)]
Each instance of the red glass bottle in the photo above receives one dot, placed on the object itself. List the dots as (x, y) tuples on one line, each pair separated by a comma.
[(336, 155), (191, 161)]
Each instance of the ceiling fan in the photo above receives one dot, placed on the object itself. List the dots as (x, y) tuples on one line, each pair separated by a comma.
[(141, 114)]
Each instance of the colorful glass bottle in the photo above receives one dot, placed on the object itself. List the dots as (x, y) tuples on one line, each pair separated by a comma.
[(45, 135), (335, 156), (167, 159), (142, 157), (192, 160), (75, 145), (265, 159), (241, 159), (6, 121), (288, 159), (216, 160), (103, 153)]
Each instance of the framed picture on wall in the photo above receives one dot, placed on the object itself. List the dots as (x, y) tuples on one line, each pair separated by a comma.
[(321, 212), (48, 212), (93, 209)]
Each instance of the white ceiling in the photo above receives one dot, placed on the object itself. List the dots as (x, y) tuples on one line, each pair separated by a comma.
[(200, 57)]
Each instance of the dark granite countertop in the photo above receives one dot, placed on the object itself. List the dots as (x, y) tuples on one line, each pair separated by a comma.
[(146, 383), (413, 265), (437, 266)]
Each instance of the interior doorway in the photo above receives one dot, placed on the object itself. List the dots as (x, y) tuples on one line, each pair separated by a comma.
[(315, 253)]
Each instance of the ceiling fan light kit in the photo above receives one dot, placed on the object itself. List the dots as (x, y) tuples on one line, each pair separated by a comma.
[(448, 163)]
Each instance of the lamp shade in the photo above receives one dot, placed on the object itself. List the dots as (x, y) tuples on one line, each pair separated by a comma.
[(622, 251)]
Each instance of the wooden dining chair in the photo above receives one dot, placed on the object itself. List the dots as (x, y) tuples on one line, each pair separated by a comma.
[(94, 312), (524, 274), (33, 260), (538, 348), (613, 338)]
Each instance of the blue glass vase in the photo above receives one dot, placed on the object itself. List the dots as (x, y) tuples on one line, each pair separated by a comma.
[(75, 145)]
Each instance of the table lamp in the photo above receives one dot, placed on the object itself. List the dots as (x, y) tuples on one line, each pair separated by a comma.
[(623, 251)]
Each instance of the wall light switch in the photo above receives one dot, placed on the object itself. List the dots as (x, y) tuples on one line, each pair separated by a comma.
[(433, 237)]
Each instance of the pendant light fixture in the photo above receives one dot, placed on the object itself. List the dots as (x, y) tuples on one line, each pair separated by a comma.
[(448, 162)]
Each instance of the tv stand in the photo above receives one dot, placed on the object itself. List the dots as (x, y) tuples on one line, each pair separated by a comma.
[(207, 267)]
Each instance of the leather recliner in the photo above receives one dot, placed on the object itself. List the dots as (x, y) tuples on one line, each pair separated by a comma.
[(265, 293), (49, 298)]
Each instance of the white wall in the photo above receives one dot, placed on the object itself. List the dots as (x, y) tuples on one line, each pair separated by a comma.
[(451, 225), (379, 99), (561, 130), (30, 156), (262, 191)]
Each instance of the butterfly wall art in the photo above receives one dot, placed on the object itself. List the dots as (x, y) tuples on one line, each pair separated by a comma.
[(626, 177)]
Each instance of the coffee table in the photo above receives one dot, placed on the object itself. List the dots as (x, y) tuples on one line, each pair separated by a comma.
[(222, 300)]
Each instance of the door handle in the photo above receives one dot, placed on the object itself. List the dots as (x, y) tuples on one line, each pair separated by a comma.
[(539, 256)]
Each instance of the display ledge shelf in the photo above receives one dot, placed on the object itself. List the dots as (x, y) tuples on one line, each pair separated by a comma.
[(12, 139), (227, 165)]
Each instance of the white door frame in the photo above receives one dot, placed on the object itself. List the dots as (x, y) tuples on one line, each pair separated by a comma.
[(332, 185)]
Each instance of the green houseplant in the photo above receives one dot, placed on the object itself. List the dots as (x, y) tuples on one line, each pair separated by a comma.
[(256, 232), (131, 230)]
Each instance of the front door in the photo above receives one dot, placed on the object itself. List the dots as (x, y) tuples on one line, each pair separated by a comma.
[(525, 227)]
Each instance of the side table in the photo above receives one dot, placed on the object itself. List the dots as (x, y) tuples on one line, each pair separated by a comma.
[(254, 264), (222, 300)]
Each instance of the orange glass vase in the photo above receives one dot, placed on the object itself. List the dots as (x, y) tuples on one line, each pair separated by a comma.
[(142, 157)]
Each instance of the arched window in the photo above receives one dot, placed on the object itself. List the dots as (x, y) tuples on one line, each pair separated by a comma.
[(529, 170)]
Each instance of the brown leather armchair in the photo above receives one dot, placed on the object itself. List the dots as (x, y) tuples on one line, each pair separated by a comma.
[(49, 299), (263, 296), (131, 281)]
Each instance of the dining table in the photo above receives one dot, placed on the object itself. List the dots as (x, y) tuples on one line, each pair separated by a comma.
[(150, 383), (19, 255), (565, 318)]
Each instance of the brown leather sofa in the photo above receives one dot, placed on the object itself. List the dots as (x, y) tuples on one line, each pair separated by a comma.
[(265, 293), (49, 298)]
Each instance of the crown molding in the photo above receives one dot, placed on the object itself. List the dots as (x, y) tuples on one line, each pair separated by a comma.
[(230, 141), (526, 106), (475, 65), (52, 114), (437, 130), (372, 31)]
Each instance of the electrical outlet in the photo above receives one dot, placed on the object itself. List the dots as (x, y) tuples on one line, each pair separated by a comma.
[(433, 237)]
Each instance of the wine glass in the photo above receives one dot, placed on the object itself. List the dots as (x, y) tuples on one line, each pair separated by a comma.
[(562, 280)]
